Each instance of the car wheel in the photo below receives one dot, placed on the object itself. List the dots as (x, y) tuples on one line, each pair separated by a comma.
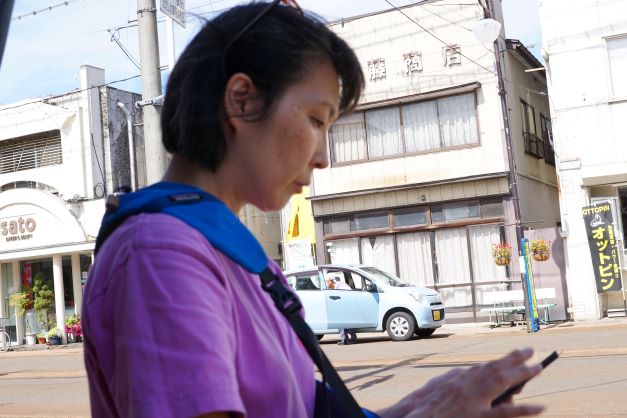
[(400, 326), (319, 336), (425, 332)]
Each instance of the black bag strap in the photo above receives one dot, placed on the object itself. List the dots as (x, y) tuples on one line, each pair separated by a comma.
[(289, 305)]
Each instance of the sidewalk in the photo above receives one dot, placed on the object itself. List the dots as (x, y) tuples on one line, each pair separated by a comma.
[(476, 328), (41, 348)]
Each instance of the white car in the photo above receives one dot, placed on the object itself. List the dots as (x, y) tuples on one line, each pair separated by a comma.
[(373, 301)]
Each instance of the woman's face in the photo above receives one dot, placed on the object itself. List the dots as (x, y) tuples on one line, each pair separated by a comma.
[(277, 155)]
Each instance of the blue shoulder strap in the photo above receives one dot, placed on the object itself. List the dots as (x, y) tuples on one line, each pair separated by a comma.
[(226, 233), (198, 209)]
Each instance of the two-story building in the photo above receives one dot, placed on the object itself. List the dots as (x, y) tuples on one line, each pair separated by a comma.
[(420, 182), (585, 48), (59, 157)]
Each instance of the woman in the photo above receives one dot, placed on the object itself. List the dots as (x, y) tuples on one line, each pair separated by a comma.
[(173, 326)]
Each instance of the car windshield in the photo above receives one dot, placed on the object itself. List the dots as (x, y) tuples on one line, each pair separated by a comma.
[(384, 277)]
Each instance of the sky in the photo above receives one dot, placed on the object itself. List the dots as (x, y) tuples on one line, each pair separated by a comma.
[(45, 50)]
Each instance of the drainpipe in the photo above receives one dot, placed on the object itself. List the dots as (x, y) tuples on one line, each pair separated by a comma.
[(131, 146)]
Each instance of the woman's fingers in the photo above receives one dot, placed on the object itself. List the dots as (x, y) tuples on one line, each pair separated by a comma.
[(497, 376), (510, 410)]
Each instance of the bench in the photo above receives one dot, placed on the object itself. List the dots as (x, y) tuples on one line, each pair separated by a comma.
[(513, 302)]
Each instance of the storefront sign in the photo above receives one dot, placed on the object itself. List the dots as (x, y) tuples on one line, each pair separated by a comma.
[(17, 229), (601, 239)]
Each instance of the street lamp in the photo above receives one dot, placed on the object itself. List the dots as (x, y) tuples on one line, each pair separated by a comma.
[(487, 30)]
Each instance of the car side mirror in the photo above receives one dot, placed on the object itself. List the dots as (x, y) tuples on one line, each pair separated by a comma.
[(371, 287)]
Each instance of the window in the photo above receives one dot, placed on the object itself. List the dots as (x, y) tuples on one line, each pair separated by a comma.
[(408, 217), (371, 221), (617, 56), (32, 151), (547, 138), (434, 124), (348, 138), (383, 132), (454, 211), (533, 144), (337, 225), (305, 281), (492, 209)]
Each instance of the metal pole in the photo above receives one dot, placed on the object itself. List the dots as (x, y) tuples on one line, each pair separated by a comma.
[(155, 154), (513, 176)]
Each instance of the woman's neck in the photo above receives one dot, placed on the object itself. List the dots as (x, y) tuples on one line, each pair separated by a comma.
[(181, 170)]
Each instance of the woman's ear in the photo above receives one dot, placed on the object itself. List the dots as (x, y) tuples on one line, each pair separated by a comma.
[(241, 97)]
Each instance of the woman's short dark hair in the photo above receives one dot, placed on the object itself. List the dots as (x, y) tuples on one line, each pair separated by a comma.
[(275, 52)]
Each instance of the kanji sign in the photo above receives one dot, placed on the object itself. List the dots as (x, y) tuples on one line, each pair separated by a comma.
[(175, 9), (600, 229)]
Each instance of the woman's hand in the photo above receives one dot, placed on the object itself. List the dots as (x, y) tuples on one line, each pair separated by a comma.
[(469, 392)]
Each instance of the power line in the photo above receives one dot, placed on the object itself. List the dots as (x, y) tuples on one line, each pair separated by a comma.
[(460, 53), (35, 12), (435, 36), (72, 92)]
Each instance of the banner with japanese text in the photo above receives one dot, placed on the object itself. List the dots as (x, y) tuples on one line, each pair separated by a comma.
[(602, 241)]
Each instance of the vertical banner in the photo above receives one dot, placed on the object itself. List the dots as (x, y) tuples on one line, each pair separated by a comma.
[(602, 242), (533, 322), (27, 276)]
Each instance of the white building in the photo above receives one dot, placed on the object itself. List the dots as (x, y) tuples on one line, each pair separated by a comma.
[(585, 46), (59, 157), (420, 181)]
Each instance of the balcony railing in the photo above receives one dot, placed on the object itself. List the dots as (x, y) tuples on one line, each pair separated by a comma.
[(534, 146)]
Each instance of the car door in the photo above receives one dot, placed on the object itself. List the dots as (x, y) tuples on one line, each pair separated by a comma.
[(367, 300), (343, 303), (310, 291)]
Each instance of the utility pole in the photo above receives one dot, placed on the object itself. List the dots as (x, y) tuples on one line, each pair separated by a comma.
[(513, 175), (155, 154)]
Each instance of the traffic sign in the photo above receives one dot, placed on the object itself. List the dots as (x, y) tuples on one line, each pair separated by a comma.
[(175, 9)]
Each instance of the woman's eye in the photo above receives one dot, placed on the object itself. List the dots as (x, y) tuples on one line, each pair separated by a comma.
[(317, 122)]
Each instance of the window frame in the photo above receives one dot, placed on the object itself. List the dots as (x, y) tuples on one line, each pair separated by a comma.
[(612, 95), (403, 142), (547, 137), (534, 146)]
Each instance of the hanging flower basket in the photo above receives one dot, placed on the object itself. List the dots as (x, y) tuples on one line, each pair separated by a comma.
[(502, 261), (501, 253), (540, 249)]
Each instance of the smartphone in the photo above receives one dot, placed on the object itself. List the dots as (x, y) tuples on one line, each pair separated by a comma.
[(513, 389)]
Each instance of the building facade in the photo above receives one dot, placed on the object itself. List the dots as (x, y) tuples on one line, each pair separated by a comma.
[(585, 48), (420, 183), (59, 158)]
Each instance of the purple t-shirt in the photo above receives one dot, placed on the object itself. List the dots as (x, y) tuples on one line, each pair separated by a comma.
[(174, 328)]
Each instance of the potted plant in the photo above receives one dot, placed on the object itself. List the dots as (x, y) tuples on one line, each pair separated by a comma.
[(501, 253), (41, 338), (43, 300), (53, 336), (540, 249), (21, 301), (73, 328)]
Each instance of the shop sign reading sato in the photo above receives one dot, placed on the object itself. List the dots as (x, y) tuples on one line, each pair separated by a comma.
[(17, 228)]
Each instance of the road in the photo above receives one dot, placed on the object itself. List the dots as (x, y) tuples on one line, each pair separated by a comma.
[(589, 379)]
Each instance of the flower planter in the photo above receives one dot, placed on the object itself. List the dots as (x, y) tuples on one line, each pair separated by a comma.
[(31, 339), (41, 340), (54, 340), (540, 256), (502, 261)]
